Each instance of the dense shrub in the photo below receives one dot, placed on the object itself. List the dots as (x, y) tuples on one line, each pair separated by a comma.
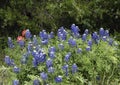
[(49, 14), (68, 58)]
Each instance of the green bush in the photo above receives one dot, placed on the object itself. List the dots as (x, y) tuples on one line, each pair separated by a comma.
[(100, 65), (49, 15)]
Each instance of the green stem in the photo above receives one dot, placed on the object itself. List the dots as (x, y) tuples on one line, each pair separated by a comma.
[(110, 76), (103, 79)]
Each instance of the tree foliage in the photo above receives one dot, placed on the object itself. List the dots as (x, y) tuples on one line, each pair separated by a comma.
[(50, 14)]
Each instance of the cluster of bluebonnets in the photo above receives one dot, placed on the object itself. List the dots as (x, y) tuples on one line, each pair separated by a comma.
[(34, 48)]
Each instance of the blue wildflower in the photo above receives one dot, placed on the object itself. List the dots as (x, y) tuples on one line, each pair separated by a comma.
[(101, 32), (90, 43), (75, 30), (36, 82), (10, 43), (58, 79), (52, 49), (74, 68), (49, 63), (43, 75), (28, 34), (107, 33), (35, 41), (67, 57), (95, 37), (88, 48), (86, 31), (79, 50), (44, 42), (43, 35), (104, 38), (84, 37), (72, 42), (29, 47), (15, 82), (42, 57), (65, 68), (9, 61), (52, 54), (61, 46), (51, 70), (16, 69), (62, 34), (51, 35), (110, 41), (21, 43)]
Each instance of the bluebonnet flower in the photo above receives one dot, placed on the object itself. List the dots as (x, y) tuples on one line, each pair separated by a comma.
[(29, 47), (110, 41), (107, 33), (35, 41), (34, 53), (75, 30), (42, 57), (58, 79), (72, 42), (43, 75), (43, 35), (65, 68), (62, 34), (38, 48), (88, 48), (84, 37), (10, 43), (16, 82), (86, 31), (74, 68), (52, 49), (16, 69), (79, 50), (28, 34), (9, 61), (51, 35), (49, 63), (21, 43), (101, 32), (95, 37), (61, 46), (52, 54), (39, 57), (36, 82), (104, 38), (90, 43), (51, 70), (44, 42), (67, 57)]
